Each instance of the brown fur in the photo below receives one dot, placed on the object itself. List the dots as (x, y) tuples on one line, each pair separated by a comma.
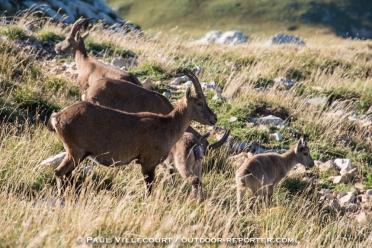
[(115, 138), (261, 173), (89, 69)]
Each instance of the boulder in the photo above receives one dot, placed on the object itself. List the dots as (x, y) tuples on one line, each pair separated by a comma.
[(280, 39), (270, 119)]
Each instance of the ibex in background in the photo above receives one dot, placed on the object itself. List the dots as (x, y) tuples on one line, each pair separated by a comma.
[(89, 69), (131, 98), (114, 138), (262, 172)]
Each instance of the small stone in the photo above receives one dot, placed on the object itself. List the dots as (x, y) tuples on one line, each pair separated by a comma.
[(329, 165), (348, 198), (369, 192), (88, 170), (318, 101), (339, 180), (121, 62), (270, 119), (362, 217), (179, 80), (338, 194), (282, 81), (53, 161), (167, 94), (367, 124), (276, 136), (264, 128), (343, 163), (352, 208), (233, 119), (217, 97), (359, 186)]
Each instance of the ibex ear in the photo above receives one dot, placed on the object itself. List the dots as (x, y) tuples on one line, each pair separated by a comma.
[(188, 93), (85, 36), (299, 145)]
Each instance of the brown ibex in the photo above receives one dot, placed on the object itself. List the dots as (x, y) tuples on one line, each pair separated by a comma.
[(113, 137), (130, 98), (262, 172), (89, 69)]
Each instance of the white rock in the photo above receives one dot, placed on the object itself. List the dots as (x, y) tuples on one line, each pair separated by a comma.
[(270, 119), (167, 94), (121, 62), (179, 80), (343, 164), (362, 217), (187, 84), (264, 128), (232, 38), (352, 208), (317, 101), (209, 37), (283, 81), (339, 179), (329, 165), (217, 97), (276, 136), (233, 119), (369, 192), (348, 198), (88, 170)]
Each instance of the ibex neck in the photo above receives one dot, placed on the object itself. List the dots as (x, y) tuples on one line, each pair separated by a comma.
[(80, 55), (180, 119), (290, 160)]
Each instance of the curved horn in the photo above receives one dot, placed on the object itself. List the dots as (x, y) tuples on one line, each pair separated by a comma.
[(194, 80), (77, 25), (220, 142)]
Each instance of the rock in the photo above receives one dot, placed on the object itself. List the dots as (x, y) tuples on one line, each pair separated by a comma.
[(233, 119), (53, 161), (264, 128), (367, 123), (334, 204), (352, 208), (71, 10), (338, 194), (276, 136), (298, 171), (294, 131), (343, 164), (187, 84), (197, 70), (217, 97), (282, 81), (148, 85), (232, 38), (359, 186), (317, 101), (329, 165), (369, 192), (362, 217), (179, 80), (228, 38), (167, 94), (340, 179), (210, 86), (210, 37), (123, 63), (270, 119), (348, 198), (285, 39), (249, 124)]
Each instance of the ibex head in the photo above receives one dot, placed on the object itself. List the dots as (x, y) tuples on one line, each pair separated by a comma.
[(196, 101), (302, 152), (68, 46)]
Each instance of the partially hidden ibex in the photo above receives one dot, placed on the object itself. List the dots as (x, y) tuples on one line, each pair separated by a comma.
[(114, 138), (89, 69), (262, 172)]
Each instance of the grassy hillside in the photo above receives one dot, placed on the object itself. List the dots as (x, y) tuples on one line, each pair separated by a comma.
[(110, 202), (263, 17)]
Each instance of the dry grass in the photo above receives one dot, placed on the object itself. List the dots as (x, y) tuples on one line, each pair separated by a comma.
[(111, 203)]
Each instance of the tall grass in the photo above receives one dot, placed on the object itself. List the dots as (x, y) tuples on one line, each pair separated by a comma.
[(111, 203)]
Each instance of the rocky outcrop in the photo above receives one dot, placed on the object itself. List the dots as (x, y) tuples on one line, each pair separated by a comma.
[(66, 10)]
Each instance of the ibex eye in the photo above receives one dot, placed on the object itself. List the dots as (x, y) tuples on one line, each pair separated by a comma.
[(306, 154), (200, 104)]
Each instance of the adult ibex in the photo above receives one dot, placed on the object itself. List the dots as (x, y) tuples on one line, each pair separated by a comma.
[(89, 69), (114, 138), (130, 98), (262, 172)]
